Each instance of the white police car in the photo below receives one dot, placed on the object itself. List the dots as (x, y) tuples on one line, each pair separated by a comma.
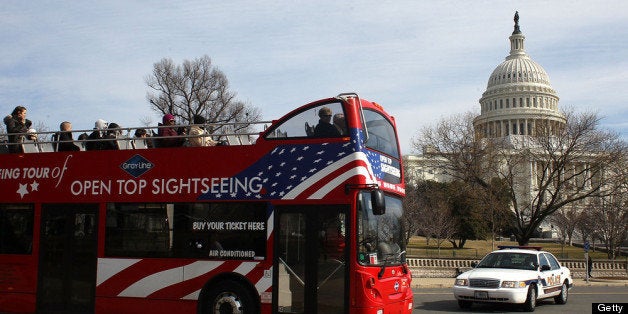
[(519, 275)]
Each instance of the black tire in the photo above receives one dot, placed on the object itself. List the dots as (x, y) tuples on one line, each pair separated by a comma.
[(463, 304), (530, 303), (563, 296), (228, 297)]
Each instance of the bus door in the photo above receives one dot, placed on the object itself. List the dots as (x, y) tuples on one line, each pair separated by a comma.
[(311, 254), (67, 259)]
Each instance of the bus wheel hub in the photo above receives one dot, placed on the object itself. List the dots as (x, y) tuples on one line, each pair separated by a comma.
[(227, 303)]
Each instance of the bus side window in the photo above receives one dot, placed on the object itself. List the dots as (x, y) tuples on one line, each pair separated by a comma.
[(304, 123), (309, 129), (16, 229)]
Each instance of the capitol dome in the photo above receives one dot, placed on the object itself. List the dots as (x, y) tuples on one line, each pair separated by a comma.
[(519, 97), (520, 69)]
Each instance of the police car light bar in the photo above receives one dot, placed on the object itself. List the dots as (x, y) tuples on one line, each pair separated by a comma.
[(524, 247)]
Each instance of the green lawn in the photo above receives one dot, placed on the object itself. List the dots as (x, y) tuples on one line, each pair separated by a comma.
[(418, 248)]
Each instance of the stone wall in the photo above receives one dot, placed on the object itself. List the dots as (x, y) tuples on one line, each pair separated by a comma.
[(450, 268)]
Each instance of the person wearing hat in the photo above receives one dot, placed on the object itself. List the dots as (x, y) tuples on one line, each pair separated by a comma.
[(198, 134), (95, 139), (169, 133), (324, 128)]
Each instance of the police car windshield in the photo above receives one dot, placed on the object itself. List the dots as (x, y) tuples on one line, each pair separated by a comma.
[(509, 260)]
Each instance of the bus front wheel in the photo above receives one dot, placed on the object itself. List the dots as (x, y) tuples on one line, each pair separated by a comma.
[(228, 297)]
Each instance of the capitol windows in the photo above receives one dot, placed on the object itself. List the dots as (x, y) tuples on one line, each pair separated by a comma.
[(508, 103)]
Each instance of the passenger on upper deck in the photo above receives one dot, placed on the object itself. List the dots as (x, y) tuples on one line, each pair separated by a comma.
[(32, 134), (64, 138), (340, 123), (111, 137), (198, 135), (324, 128), (142, 134), (16, 122), (169, 133), (95, 139)]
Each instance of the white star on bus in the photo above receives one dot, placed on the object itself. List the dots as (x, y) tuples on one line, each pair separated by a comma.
[(23, 190)]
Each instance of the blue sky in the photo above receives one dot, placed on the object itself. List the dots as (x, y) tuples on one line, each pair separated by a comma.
[(422, 60)]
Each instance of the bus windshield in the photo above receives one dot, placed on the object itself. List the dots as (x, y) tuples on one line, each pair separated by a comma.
[(379, 236), (381, 132)]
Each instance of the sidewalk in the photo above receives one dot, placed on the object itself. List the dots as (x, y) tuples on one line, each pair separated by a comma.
[(427, 283)]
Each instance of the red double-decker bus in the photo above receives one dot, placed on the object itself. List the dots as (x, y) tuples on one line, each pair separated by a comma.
[(298, 220)]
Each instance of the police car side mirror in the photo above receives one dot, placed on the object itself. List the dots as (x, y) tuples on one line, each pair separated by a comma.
[(545, 267), (378, 202)]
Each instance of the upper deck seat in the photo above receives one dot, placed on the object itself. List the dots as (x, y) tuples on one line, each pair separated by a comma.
[(29, 146)]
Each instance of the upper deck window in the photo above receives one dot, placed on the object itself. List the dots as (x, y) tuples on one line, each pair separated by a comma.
[(382, 135), (326, 120)]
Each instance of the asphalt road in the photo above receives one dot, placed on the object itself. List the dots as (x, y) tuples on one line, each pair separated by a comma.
[(441, 300)]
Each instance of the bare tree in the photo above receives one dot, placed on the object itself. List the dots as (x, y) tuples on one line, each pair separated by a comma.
[(41, 129), (610, 212), (457, 150), (566, 220), (197, 88), (411, 218), (542, 174), (434, 215), (568, 167), (587, 225), (454, 148), (612, 220), (442, 226)]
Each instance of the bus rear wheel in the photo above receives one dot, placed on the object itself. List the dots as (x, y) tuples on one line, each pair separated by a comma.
[(229, 297)]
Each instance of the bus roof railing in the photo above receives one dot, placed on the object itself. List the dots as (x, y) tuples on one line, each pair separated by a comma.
[(234, 133)]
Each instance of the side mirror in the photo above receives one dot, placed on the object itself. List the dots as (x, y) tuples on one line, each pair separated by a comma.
[(474, 264), (545, 267), (378, 201)]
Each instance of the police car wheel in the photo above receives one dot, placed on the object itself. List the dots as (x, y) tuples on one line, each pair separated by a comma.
[(530, 303), (563, 296), (464, 304)]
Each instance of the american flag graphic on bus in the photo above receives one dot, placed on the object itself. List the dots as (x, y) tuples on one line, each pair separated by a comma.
[(308, 171)]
